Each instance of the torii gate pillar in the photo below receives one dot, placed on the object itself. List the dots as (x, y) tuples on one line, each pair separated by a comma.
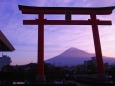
[(98, 52), (41, 77)]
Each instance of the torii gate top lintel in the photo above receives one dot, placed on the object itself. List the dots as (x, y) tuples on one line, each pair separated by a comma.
[(62, 10)]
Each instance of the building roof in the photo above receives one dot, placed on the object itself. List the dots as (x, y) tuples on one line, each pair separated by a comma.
[(62, 10), (5, 45)]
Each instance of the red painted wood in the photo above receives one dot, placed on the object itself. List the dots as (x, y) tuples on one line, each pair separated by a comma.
[(99, 59), (41, 46), (64, 22), (76, 11)]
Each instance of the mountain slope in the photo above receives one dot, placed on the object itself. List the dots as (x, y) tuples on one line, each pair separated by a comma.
[(71, 56), (74, 52), (74, 56)]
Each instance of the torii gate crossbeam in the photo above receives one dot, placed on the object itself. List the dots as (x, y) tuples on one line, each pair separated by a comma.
[(67, 11), (63, 22)]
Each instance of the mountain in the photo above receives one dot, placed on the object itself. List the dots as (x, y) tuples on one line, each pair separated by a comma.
[(74, 52), (71, 56), (74, 56)]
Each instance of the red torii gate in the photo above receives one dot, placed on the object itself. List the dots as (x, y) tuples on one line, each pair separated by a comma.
[(67, 11)]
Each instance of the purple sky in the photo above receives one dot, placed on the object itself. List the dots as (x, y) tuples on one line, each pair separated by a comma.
[(57, 38)]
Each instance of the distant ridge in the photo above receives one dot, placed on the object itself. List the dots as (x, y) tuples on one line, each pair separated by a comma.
[(74, 52), (74, 56), (71, 56)]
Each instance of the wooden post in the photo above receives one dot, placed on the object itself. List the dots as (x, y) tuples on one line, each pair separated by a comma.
[(41, 76), (68, 16), (97, 45)]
